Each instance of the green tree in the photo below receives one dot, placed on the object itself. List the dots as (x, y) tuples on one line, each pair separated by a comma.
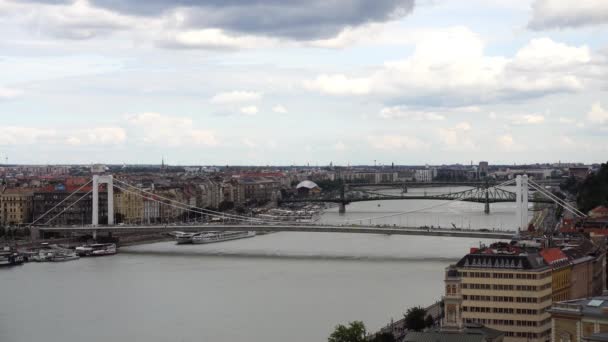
[(383, 337), (594, 190), (429, 321), (355, 332), (414, 318)]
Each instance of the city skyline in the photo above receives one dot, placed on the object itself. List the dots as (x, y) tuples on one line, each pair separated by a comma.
[(273, 83)]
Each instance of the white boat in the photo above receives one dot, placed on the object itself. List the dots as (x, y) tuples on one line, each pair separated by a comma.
[(183, 238), (211, 237), (59, 257), (97, 249)]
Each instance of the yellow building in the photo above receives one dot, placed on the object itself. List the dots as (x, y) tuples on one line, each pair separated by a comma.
[(16, 206), (503, 288), (561, 273), (580, 320), (128, 207)]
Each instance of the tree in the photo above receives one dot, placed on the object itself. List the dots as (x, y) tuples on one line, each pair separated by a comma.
[(429, 321), (414, 318), (383, 337), (355, 332), (594, 190)]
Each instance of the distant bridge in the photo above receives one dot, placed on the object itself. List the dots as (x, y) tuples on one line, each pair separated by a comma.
[(460, 233), (485, 194)]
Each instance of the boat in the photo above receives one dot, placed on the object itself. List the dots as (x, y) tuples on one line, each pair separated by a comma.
[(183, 238), (9, 257), (212, 237), (97, 249), (43, 255), (59, 257)]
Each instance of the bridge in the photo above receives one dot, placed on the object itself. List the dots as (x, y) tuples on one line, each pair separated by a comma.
[(461, 233), (480, 193), (235, 222)]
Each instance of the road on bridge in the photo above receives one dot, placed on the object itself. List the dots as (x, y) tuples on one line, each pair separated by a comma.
[(291, 228)]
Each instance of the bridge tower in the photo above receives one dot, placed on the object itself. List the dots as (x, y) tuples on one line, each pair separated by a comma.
[(521, 202), (103, 179), (342, 208)]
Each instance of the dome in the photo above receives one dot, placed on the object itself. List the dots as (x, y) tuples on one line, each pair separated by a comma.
[(307, 184)]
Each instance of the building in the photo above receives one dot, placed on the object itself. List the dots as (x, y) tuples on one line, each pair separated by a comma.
[(423, 175), (580, 320), (128, 207), (469, 333), (61, 210), (483, 169), (561, 273), (502, 287), (16, 206), (308, 188)]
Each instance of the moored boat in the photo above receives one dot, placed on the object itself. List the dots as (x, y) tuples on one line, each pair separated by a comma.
[(59, 257), (212, 237), (97, 249)]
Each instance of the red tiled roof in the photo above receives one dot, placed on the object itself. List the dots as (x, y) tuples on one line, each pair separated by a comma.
[(553, 255)]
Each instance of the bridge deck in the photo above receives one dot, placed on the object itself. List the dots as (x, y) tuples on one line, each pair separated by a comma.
[(292, 228)]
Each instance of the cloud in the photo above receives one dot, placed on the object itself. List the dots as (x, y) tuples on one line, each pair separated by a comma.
[(249, 110), (212, 39), (547, 14), (340, 146), (235, 97), (449, 68), (597, 114), (70, 20), (9, 93), (155, 128), (528, 119), (296, 19), (21, 135), (249, 143), (339, 85), (506, 142), (402, 112), (457, 137), (396, 142), (279, 109), (98, 136)]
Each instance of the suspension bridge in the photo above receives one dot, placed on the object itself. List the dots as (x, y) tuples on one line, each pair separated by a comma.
[(235, 222)]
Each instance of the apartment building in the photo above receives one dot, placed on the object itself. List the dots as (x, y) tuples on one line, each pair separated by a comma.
[(580, 320), (504, 288), (16, 206)]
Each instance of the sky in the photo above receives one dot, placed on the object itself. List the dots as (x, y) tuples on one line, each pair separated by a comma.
[(283, 82)]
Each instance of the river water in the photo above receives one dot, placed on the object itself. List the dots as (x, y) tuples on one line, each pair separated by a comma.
[(275, 287)]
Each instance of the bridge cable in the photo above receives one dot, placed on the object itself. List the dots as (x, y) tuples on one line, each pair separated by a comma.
[(68, 207), (184, 204), (557, 200), (58, 204), (187, 207)]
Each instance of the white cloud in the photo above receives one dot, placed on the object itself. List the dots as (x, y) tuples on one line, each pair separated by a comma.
[(249, 110), (506, 141), (528, 119), (449, 67), (20, 135), (567, 121), (155, 128), (457, 137), (396, 142), (214, 39), (279, 109), (236, 97), (16, 135), (402, 112), (340, 146), (339, 85), (9, 93), (568, 13), (597, 114), (249, 143)]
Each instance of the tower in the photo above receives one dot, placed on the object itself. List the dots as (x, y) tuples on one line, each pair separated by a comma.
[(452, 301), (109, 180)]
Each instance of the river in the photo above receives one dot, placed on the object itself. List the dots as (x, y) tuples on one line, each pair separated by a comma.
[(275, 287)]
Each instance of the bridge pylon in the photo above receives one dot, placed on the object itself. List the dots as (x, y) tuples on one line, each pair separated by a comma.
[(103, 179)]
